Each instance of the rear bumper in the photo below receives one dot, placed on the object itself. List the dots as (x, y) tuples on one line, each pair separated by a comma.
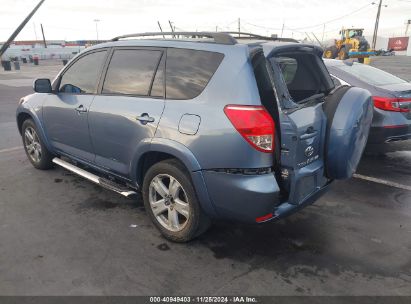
[(286, 209), (387, 134), (248, 197)]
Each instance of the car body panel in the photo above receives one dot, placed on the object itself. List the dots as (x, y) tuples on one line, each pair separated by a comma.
[(66, 128), (386, 126), (115, 130)]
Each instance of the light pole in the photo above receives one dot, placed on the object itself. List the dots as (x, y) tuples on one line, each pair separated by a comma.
[(96, 21), (377, 20)]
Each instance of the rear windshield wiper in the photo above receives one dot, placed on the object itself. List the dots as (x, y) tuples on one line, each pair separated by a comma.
[(312, 97)]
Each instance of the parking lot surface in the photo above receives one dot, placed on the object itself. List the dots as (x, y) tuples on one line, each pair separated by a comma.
[(62, 235)]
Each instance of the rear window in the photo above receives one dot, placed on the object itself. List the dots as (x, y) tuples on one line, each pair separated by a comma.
[(370, 75), (189, 71), (304, 74)]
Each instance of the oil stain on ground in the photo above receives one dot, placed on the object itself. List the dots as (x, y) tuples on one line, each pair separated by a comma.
[(297, 245), (110, 202)]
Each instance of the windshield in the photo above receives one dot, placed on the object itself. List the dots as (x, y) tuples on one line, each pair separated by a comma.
[(371, 75), (353, 33)]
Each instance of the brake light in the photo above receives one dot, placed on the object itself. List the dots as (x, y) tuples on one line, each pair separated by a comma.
[(392, 104), (264, 218), (255, 124)]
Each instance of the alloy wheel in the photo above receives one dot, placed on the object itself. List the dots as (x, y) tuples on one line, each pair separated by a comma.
[(32, 144), (169, 202)]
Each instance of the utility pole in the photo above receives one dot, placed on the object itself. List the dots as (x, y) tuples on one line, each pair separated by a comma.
[(282, 31), (161, 30), (96, 21), (239, 27), (407, 26), (377, 20), (18, 30), (44, 38)]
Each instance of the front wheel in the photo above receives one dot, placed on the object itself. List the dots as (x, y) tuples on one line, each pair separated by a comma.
[(36, 150), (171, 202)]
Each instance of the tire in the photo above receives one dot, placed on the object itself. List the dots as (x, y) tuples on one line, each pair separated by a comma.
[(331, 52), (179, 217), (349, 112), (361, 60), (36, 150), (342, 54)]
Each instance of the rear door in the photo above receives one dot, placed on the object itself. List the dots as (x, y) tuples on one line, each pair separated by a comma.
[(301, 83), (129, 107)]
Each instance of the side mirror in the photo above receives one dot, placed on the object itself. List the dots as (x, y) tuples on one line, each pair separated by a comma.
[(42, 85)]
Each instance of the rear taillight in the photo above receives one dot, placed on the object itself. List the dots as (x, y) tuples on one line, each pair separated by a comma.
[(392, 104), (255, 124)]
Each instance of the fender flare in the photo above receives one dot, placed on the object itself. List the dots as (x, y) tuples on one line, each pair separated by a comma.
[(183, 154), (41, 132)]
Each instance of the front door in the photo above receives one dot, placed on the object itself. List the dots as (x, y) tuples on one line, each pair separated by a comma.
[(66, 112), (129, 107)]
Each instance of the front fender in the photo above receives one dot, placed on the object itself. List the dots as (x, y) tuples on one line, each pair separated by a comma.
[(33, 108)]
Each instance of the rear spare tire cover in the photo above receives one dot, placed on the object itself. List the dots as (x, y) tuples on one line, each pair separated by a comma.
[(349, 112)]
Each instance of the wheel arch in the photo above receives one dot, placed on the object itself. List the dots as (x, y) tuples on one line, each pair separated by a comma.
[(150, 152), (24, 114)]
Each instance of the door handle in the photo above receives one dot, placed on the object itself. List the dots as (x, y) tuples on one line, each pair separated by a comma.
[(145, 118), (81, 109)]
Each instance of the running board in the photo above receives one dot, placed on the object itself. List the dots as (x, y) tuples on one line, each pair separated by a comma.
[(105, 183)]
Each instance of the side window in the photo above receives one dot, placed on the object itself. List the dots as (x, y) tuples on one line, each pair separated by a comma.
[(157, 90), (131, 72), (189, 71), (288, 68), (83, 75)]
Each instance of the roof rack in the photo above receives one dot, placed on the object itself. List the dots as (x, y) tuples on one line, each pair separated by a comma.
[(220, 38), (250, 35)]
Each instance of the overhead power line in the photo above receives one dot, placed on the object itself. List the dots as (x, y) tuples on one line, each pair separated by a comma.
[(334, 19)]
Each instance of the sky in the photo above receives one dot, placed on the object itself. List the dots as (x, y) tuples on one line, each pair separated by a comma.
[(74, 19)]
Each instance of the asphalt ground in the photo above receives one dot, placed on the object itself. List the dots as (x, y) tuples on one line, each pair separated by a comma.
[(62, 235)]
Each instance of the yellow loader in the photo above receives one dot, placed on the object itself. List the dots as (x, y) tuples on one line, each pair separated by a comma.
[(351, 45)]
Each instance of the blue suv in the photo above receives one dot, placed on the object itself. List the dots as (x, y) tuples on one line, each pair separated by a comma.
[(206, 126)]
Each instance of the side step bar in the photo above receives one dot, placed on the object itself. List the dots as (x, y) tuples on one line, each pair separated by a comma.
[(105, 183)]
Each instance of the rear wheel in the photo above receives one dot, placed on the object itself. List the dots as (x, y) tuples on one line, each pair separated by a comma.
[(35, 149), (343, 54), (171, 202)]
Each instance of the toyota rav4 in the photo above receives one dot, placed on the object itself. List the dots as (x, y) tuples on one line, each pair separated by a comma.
[(206, 126)]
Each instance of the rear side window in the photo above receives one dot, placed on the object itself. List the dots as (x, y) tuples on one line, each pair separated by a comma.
[(131, 72), (83, 75), (288, 68), (189, 71)]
